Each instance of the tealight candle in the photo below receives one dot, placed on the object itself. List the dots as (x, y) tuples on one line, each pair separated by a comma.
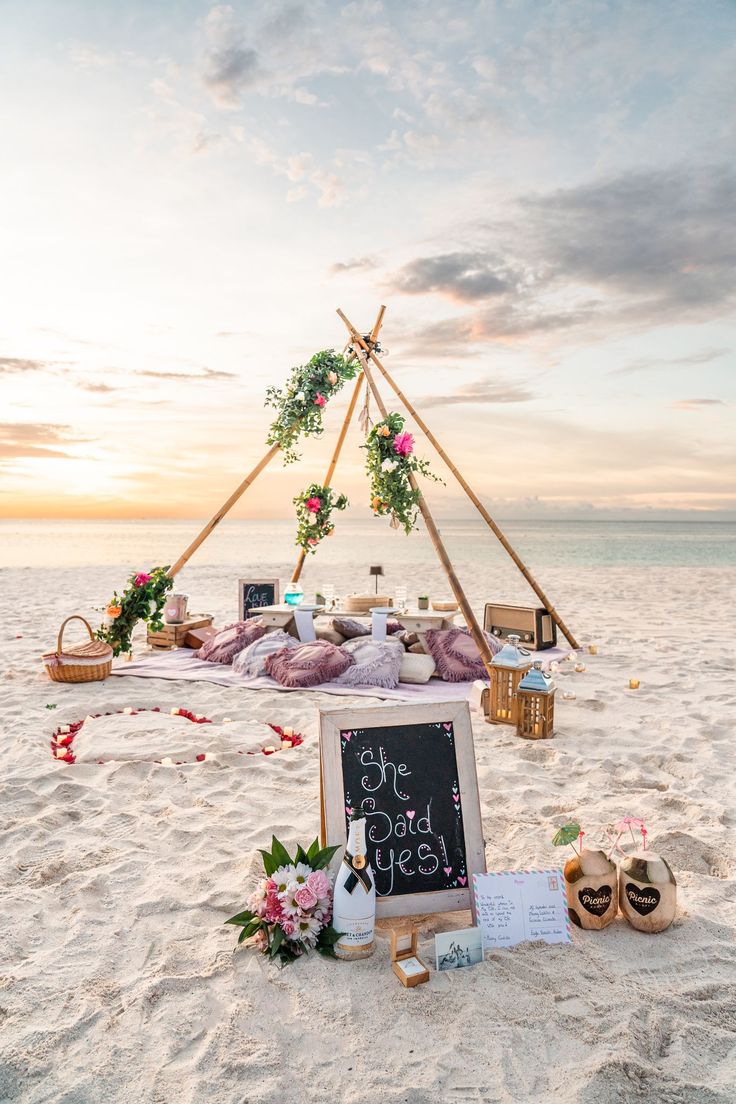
[(569, 695), (63, 730), (128, 709), (579, 667), (167, 762), (633, 684), (61, 752), (174, 711), (593, 649), (288, 731), (227, 720)]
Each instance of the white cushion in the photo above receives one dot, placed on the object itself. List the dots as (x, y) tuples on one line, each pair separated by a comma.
[(416, 668), (251, 662), (377, 662)]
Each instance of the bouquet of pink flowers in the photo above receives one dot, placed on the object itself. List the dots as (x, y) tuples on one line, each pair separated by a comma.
[(290, 910)]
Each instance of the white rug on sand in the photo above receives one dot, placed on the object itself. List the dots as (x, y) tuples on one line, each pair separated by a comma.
[(149, 736), (181, 664)]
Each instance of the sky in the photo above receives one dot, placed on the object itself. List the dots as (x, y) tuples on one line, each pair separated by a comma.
[(542, 193)]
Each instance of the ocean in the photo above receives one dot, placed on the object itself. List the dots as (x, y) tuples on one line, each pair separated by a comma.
[(140, 544)]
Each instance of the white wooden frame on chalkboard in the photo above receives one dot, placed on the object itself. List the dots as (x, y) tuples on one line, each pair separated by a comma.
[(243, 583), (332, 800)]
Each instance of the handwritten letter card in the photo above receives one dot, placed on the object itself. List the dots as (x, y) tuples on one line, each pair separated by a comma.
[(514, 906)]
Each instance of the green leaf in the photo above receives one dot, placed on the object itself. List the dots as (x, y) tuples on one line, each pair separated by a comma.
[(276, 941), (243, 936), (324, 857), (313, 851), (280, 854), (329, 935), (241, 918), (268, 863), (326, 949), (301, 855), (568, 833)]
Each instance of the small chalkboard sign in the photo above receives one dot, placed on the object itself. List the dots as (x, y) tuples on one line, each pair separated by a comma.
[(411, 769), (254, 594)]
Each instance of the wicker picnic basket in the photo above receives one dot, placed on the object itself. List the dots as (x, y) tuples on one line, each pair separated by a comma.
[(88, 662)]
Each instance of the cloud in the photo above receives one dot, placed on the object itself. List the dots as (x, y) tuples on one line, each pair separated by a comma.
[(11, 365), (691, 360), (230, 65), (479, 393), (205, 374), (20, 440), (696, 404), (354, 265), (638, 249)]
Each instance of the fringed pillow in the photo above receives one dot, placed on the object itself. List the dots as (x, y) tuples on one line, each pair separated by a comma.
[(456, 656), (349, 628), (251, 662), (308, 664), (376, 663), (225, 645), (416, 668)]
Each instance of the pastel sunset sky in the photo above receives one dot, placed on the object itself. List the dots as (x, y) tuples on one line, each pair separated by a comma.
[(542, 193)]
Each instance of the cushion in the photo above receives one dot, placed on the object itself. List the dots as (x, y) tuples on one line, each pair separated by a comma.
[(251, 662), (331, 635), (308, 664), (418, 648), (350, 628), (375, 663), (393, 627), (225, 645), (416, 668), (455, 654), (407, 638)]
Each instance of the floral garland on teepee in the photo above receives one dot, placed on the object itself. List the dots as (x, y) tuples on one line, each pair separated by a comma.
[(313, 509), (390, 461), (301, 401), (142, 600)]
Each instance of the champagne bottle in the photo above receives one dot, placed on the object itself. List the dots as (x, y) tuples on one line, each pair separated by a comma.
[(354, 897)]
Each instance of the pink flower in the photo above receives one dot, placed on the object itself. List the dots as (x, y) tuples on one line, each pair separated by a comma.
[(260, 940), (141, 579), (288, 927), (306, 898), (319, 400), (312, 540), (313, 505), (319, 883), (404, 444)]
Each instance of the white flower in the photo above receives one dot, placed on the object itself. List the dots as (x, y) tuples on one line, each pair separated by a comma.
[(152, 606), (283, 877), (289, 903), (306, 930), (388, 465), (301, 873), (300, 396), (312, 518)]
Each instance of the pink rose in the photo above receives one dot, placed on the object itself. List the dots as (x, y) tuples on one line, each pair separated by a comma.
[(319, 400), (141, 579), (288, 927), (312, 540), (313, 505), (319, 883), (306, 898), (404, 444)]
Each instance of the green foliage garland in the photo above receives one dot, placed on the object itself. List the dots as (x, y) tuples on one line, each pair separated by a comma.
[(142, 600), (314, 506), (390, 460), (301, 401)]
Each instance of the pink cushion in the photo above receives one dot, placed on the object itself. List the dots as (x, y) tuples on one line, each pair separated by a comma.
[(251, 662), (308, 664), (456, 657), (350, 628), (223, 647), (377, 662)]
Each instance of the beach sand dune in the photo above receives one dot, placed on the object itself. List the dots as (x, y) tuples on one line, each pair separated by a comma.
[(119, 982)]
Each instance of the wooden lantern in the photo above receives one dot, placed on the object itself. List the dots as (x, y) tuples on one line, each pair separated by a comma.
[(591, 884), (536, 705), (508, 668), (647, 891)]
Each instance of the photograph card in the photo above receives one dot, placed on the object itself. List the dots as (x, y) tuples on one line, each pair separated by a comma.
[(455, 949), (518, 905)]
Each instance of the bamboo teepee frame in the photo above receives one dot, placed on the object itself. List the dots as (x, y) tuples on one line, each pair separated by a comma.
[(363, 347)]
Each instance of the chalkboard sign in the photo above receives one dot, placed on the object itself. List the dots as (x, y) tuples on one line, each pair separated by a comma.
[(411, 769), (254, 594)]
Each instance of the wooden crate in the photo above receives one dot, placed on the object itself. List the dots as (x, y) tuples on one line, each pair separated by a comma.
[(172, 636)]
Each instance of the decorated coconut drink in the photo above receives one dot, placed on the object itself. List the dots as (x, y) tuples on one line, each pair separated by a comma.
[(647, 891), (591, 882)]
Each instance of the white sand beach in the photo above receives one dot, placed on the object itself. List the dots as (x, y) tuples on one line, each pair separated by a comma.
[(119, 981)]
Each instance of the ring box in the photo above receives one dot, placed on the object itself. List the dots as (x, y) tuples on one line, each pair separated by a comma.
[(409, 969)]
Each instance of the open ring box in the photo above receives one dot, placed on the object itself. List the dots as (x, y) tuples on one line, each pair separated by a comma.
[(409, 969)]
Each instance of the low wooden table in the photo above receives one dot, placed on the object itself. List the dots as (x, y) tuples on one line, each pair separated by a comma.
[(282, 616), (172, 636)]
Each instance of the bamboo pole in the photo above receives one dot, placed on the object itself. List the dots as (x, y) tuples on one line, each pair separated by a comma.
[(237, 493), (469, 492), (343, 433), (475, 630)]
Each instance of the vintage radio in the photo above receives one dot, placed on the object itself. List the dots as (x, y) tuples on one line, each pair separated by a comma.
[(533, 624)]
